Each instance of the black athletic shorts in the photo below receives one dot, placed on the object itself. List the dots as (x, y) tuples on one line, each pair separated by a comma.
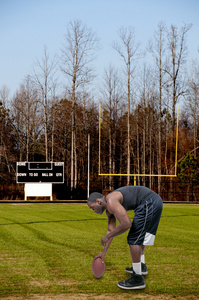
[(145, 222)]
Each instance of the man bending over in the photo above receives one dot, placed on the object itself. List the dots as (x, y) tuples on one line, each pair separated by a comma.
[(147, 206)]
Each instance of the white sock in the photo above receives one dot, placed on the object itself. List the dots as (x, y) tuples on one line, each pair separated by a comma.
[(137, 268), (143, 258)]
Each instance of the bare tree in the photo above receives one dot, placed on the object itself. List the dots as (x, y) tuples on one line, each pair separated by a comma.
[(146, 123), (177, 56), (157, 48), (192, 104), (25, 115), (53, 112), (127, 48), (178, 52), (43, 76), (4, 94), (77, 57), (111, 102)]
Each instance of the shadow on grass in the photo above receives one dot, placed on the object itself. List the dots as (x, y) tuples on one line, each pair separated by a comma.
[(177, 216), (80, 220), (50, 221)]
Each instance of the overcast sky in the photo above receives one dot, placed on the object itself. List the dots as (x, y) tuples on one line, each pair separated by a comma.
[(27, 25)]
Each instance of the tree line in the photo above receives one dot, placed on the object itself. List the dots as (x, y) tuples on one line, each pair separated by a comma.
[(138, 121)]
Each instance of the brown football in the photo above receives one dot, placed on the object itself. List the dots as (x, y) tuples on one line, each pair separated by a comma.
[(98, 267)]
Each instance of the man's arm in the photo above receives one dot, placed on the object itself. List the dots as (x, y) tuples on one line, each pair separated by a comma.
[(111, 227), (115, 208)]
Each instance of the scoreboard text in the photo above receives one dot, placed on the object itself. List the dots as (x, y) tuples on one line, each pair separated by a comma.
[(32, 172)]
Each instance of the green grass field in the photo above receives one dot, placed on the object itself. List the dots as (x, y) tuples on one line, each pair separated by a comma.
[(48, 249)]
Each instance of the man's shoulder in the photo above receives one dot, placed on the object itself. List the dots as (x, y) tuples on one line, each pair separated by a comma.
[(114, 196), (114, 200)]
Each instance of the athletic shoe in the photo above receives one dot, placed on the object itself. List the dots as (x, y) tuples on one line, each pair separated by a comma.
[(143, 268), (135, 282)]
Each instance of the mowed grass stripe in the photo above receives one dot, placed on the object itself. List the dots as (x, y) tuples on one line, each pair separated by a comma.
[(49, 248)]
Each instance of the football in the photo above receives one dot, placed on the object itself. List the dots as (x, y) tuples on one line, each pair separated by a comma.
[(98, 267)]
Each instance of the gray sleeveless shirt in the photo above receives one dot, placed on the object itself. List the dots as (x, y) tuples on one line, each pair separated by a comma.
[(133, 196)]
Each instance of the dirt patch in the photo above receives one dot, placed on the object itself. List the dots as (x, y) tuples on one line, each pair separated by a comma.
[(103, 297)]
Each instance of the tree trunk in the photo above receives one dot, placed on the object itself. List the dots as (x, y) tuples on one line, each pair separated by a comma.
[(128, 127)]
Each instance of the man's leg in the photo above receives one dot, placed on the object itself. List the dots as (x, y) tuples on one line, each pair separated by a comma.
[(137, 255), (143, 256), (136, 252), (137, 280)]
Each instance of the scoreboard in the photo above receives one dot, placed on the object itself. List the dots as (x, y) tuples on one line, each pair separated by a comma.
[(40, 172)]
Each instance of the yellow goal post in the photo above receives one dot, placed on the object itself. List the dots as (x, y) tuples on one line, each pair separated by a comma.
[(136, 175)]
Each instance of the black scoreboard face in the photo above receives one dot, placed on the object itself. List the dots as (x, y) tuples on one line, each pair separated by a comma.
[(32, 172)]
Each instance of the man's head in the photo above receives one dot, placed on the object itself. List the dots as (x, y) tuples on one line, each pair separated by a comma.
[(95, 202), (94, 196)]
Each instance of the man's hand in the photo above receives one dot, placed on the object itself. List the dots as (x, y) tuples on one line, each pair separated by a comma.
[(101, 255), (104, 240)]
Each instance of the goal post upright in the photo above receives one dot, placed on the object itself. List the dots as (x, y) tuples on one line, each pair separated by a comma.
[(176, 152), (99, 135)]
